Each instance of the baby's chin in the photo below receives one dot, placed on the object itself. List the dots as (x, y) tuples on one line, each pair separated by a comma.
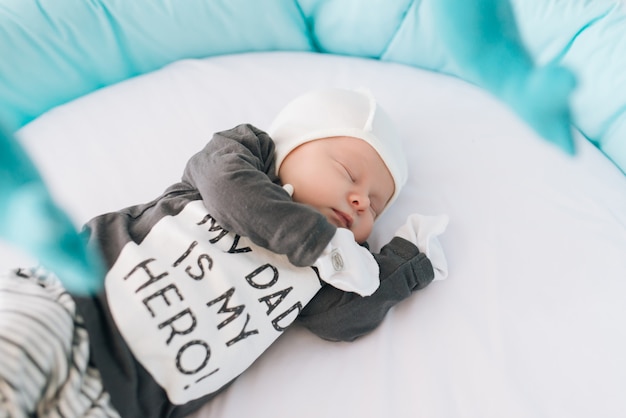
[(359, 238), (363, 240)]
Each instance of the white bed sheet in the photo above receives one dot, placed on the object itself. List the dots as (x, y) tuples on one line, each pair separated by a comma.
[(530, 322)]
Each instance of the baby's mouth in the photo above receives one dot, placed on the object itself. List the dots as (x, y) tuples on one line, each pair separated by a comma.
[(344, 220)]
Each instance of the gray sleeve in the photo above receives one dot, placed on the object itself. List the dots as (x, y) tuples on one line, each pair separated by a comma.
[(342, 316), (235, 174)]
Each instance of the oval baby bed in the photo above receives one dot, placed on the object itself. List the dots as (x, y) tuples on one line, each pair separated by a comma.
[(530, 321)]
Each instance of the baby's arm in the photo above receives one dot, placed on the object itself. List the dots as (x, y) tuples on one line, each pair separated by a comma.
[(343, 316), (235, 175)]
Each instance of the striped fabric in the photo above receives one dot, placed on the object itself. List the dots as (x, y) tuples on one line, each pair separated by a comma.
[(44, 352)]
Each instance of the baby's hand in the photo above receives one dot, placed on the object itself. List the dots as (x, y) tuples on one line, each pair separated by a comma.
[(422, 231), (346, 265)]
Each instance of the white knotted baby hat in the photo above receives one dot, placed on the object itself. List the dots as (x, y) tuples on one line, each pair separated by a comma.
[(333, 112)]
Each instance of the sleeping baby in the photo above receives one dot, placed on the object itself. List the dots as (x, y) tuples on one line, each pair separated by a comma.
[(261, 232)]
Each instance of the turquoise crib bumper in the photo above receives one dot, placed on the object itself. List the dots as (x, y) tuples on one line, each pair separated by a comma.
[(56, 50)]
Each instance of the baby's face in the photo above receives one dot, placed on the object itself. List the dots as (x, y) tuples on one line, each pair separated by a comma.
[(344, 178)]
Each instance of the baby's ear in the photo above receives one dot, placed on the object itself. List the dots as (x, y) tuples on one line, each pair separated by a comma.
[(482, 38)]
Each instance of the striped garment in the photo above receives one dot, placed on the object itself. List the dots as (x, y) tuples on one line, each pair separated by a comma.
[(44, 352)]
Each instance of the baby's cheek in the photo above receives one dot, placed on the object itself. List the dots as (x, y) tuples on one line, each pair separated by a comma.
[(367, 227)]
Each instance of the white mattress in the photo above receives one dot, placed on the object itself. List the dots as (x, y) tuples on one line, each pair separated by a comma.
[(529, 323)]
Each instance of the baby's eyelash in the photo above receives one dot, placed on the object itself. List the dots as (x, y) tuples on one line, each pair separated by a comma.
[(348, 172)]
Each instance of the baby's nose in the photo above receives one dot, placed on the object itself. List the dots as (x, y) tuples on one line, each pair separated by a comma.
[(359, 200)]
